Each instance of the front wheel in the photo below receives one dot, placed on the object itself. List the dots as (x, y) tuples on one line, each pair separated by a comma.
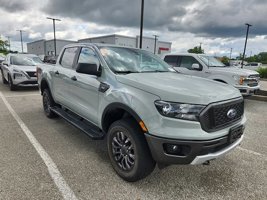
[(3, 78), (48, 102), (12, 87), (128, 150)]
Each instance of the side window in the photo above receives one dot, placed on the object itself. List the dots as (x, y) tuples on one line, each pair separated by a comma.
[(171, 60), (88, 55), (68, 57), (188, 61)]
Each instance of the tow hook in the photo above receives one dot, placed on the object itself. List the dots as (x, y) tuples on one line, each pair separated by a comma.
[(206, 162)]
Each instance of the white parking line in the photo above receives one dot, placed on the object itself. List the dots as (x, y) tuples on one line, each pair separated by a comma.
[(55, 174), (21, 95)]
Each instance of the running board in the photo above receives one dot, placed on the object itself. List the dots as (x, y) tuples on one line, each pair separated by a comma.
[(89, 129)]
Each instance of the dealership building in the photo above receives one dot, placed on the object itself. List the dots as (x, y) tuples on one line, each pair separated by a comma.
[(46, 47)]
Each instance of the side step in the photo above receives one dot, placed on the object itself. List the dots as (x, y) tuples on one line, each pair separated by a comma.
[(85, 126)]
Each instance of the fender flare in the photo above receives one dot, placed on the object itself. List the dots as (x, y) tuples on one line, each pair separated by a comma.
[(119, 106)]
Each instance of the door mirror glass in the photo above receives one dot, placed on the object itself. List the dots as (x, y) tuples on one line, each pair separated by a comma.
[(195, 66), (88, 68), (4, 63)]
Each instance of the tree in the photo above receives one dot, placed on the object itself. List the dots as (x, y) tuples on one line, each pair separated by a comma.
[(196, 49), (225, 60), (3, 46)]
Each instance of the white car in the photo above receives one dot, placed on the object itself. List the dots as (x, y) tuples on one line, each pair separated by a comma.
[(247, 81), (20, 70)]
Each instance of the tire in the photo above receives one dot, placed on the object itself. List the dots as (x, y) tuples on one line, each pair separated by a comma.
[(48, 102), (3, 78), (132, 160), (12, 87)]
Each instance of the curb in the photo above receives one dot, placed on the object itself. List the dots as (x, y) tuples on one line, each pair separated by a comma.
[(262, 93), (257, 98)]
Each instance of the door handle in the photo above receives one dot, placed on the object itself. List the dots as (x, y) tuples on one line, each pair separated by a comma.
[(56, 72), (73, 78)]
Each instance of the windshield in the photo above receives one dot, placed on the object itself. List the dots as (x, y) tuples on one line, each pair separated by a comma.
[(22, 60), (127, 60), (211, 61), (36, 60)]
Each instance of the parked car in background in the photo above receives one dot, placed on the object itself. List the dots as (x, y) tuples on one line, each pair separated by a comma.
[(247, 81), (50, 59), (252, 66), (147, 112), (20, 70)]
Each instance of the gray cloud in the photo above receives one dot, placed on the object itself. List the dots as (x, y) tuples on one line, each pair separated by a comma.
[(119, 12), (14, 5), (211, 18)]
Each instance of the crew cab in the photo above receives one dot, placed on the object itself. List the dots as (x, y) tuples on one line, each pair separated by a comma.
[(147, 112), (20, 70), (202, 65)]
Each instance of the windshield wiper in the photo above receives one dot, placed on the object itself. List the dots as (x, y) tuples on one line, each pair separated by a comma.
[(126, 72), (154, 71)]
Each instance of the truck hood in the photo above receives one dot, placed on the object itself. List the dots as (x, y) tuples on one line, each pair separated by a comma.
[(25, 68), (180, 88), (233, 71)]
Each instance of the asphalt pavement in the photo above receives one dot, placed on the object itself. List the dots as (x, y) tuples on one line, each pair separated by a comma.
[(81, 166)]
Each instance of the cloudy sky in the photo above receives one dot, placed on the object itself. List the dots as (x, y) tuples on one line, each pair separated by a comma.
[(218, 24)]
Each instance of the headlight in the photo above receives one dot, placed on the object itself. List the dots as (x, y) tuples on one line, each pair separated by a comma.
[(239, 79), (179, 110), (18, 75)]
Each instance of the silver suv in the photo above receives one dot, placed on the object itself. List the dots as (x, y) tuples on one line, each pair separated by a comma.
[(20, 70), (148, 113), (205, 66)]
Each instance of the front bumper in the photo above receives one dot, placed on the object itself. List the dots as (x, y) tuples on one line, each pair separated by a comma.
[(247, 90), (192, 152), (25, 81)]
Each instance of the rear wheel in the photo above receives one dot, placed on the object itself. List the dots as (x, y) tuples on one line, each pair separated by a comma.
[(48, 102), (12, 87), (3, 78), (128, 150)]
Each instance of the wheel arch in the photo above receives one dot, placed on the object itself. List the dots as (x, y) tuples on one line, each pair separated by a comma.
[(116, 111)]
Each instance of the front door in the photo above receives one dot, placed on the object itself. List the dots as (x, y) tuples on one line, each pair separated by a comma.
[(84, 87)]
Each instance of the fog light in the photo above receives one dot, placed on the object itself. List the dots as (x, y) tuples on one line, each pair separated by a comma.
[(175, 149)]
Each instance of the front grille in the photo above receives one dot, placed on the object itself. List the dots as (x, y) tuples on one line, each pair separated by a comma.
[(254, 76), (31, 74), (216, 117), (253, 84)]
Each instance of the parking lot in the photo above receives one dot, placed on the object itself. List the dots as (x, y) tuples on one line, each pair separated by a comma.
[(49, 159)]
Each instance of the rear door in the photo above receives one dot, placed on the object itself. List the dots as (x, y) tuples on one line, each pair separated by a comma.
[(62, 74)]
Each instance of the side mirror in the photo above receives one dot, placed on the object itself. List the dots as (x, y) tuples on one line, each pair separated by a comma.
[(4, 63), (88, 68), (195, 66)]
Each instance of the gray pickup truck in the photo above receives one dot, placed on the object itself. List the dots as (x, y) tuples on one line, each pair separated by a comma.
[(148, 113)]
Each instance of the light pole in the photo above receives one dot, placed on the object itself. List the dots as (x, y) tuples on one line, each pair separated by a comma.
[(21, 41), (231, 53), (141, 24), (243, 57), (155, 45), (54, 27), (8, 37)]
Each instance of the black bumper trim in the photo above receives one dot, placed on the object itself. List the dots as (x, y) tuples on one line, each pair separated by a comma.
[(196, 148)]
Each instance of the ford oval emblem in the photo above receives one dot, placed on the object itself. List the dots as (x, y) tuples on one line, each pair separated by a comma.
[(231, 113)]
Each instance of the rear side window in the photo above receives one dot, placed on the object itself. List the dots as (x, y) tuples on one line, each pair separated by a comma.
[(68, 57), (171, 60)]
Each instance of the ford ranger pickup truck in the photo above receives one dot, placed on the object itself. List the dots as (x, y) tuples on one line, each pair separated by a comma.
[(147, 112), (247, 81)]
